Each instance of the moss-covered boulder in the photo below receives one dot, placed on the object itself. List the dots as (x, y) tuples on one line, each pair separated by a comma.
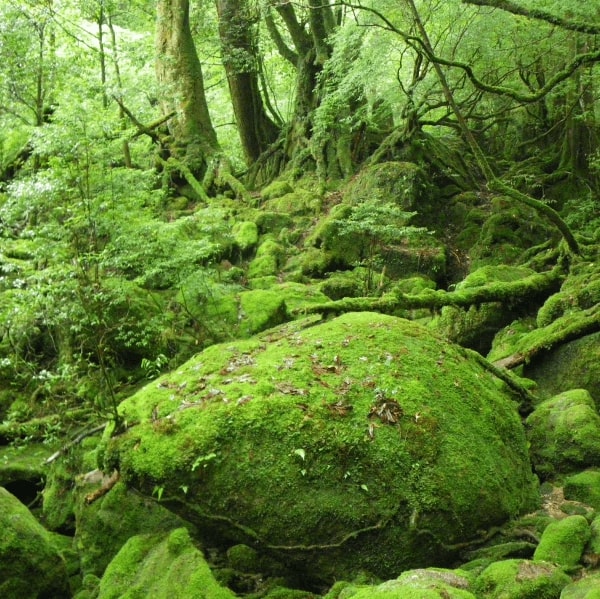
[(564, 433), (268, 260), (30, 563), (298, 202), (584, 487), (476, 326), (365, 442), (429, 583), (22, 470), (572, 365), (404, 183), (585, 588), (507, 235), (162, 567), (276, 189), (245, 235), (563, 541), (104, 525), (520, 579)]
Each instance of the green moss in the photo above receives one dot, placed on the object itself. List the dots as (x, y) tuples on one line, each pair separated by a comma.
[(261, 309), (476, 326), (268, 260), (272, 440), (344, 284), (520, 579), (585, 588), (571, 365), (276, 189), (430, 583), (507, 233), (162, 567), (404, 183), (581, 290), (285, 593), (298, 296), (299, 202), (273, 222), (245, 235), (30, 562), (584, 487), (105, 525), (563, 541), (594, 543), (316, 262), (564, 433)]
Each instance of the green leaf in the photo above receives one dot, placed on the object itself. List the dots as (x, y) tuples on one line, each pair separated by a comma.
[(301, 453)]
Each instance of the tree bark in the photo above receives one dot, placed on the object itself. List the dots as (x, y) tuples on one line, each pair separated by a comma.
[(179, 75), (256, 130)]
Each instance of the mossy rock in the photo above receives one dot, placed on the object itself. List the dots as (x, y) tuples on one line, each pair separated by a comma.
[(298, 295), (507, 233), (563, 541), (162, 567), (404, 183), (584, 588), (584, 487), (260, 309), (268, 261), (22, 470), (273, 222), (419, 254), (520, 579), (30, 563), (475, 327), (594, 543), (297, 203), (429, 583), (245, 235), (276, 189), (363, 443), (349, 283), (564, 434), (315, 262), (572, 365), (103, 526)]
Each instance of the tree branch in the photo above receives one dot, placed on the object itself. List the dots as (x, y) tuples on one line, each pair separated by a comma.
[(540, 15), (513, 292)]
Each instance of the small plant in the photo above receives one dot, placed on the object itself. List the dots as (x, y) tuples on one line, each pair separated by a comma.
[(153, 368), (378, 224)]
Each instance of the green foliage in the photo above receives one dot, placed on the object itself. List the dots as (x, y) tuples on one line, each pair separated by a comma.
[(377, 224)]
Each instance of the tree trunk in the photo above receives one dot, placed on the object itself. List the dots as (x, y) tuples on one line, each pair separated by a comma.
[(257, 131), (179, 75)]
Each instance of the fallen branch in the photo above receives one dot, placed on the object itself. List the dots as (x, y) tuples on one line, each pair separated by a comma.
[(505, 292), (548, 338), (78, 439)]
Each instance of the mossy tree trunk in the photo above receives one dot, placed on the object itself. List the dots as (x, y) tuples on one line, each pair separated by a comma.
[(300, 31), (240, 59), (179, 74)]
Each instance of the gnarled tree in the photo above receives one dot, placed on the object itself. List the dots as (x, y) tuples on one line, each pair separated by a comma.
[(179, 73)]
